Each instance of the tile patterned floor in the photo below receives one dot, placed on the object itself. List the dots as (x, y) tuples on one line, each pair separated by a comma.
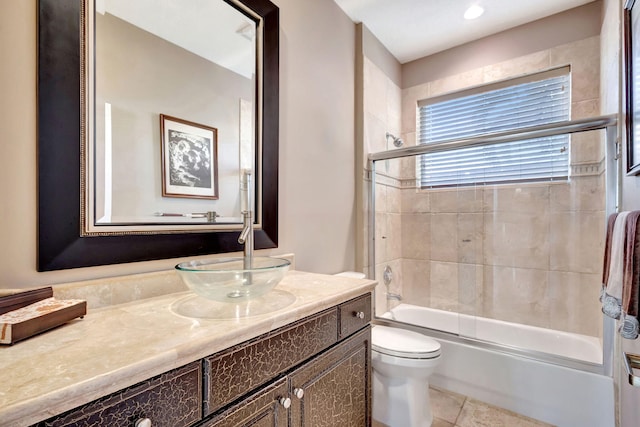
[(454, 410)]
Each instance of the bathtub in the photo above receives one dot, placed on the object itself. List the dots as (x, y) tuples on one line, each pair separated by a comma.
[(564, 344), (516, 380)]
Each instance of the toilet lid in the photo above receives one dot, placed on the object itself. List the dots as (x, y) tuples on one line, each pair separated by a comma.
[(403, 343)]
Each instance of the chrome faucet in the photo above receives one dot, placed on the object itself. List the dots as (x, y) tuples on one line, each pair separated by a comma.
[(395, 297), (246, 236)]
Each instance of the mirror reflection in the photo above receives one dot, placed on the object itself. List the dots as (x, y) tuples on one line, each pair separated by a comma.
[(174, 114)]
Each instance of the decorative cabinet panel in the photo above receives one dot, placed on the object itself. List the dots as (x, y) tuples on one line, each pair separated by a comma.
[(233, 372), (354, 315), (265, 408), (173, 399), (334, 389)]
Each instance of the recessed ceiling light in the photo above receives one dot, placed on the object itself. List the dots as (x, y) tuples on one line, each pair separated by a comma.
[(473, 12)]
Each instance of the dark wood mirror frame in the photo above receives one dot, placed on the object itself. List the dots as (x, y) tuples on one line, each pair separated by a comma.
[(60, 245)]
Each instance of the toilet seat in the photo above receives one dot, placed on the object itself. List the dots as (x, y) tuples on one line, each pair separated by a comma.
[(403, 343)]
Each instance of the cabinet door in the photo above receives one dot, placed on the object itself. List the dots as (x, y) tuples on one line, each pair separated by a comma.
[(334, 389), (266, 408)]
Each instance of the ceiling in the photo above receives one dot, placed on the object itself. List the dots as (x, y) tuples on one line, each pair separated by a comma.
[(210, 29), (412, 29)]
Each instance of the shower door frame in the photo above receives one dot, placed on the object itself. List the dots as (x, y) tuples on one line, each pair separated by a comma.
[(613, 189)]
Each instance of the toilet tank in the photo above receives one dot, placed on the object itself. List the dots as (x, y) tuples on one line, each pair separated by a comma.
[(352, 274)]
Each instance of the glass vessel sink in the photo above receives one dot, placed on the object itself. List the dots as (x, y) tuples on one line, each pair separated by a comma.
[(227, 280)]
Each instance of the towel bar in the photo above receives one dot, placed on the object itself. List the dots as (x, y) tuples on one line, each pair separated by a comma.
[(632, 361)]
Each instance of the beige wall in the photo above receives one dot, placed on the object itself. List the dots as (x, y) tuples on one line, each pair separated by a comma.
[(317, 220), (565, 27)]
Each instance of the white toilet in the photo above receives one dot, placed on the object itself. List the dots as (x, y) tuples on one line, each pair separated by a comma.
[(402, 362)]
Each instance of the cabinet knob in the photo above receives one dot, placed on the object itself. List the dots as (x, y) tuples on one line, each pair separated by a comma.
[(143, 422), (286, 402), (298, 392), (359, 314)]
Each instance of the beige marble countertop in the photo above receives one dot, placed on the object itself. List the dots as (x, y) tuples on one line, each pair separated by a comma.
[(119, 345)]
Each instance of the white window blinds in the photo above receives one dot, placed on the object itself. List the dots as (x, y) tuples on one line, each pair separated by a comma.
[(532, 100)]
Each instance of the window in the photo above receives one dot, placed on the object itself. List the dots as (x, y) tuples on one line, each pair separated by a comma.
[(528, 101)]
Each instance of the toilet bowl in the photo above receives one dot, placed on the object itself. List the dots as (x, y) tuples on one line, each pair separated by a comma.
[(402, 362)]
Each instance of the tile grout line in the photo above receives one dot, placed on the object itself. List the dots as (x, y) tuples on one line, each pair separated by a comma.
[(464, 402)]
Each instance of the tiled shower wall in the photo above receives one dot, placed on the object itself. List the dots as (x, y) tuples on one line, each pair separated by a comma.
[(382, 113), (526, 253)]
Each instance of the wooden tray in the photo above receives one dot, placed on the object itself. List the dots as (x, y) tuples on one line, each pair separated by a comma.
[(28, 313), (23, 299)]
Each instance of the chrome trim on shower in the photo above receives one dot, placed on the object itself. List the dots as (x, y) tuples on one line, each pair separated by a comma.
[(613, 177), (521, 134), (492, 346), (613, 201), (387, 275), (371, 274)]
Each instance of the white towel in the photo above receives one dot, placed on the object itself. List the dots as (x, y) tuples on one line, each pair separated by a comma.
[(612, 296)]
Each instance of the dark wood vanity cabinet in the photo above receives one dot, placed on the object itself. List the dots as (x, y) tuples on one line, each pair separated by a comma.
[(314, 372), (325, 360), (173, 399), (332, 389)]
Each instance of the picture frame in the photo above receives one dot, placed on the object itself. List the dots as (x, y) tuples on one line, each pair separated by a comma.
[(632, 84), (189, 159)]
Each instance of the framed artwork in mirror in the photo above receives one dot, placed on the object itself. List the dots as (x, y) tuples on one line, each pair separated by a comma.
[(189, 159), (632, 83)]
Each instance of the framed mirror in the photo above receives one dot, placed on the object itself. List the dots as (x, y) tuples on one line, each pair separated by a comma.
[(143, 134)]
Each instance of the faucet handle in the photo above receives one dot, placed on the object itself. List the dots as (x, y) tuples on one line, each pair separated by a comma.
[(396, 297)]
